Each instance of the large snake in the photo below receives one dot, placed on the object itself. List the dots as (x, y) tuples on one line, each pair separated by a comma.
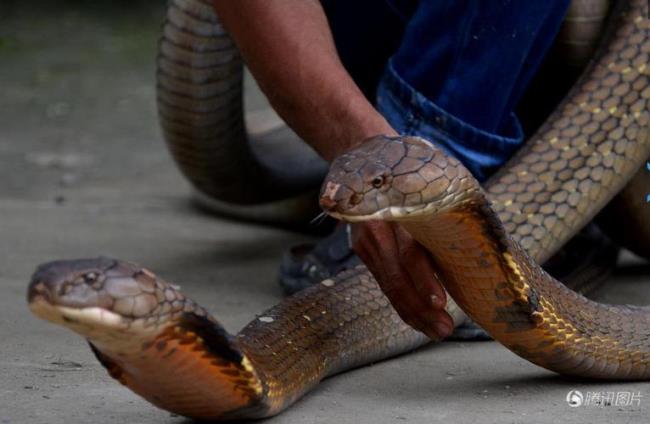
[(171, 351), (200, 105)]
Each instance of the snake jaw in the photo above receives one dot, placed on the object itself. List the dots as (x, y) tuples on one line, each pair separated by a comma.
[(104, 328), (78, 319), (387, 214), (407, 213)]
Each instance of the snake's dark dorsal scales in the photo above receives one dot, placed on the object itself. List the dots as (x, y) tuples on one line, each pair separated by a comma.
[(215, 339)]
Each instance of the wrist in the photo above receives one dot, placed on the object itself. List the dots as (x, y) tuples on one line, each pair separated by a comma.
[(355, 133)]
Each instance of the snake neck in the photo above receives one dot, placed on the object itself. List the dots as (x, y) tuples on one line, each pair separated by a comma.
[(519, 304), (472, 251), (339, 324)]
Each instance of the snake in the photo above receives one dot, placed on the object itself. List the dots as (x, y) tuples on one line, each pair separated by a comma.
[(486, 242), (200, 108)]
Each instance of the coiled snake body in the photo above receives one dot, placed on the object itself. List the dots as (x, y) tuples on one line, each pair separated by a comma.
[(169, 350)]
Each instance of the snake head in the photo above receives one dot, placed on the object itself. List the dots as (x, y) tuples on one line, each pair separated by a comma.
[(393, 178), (100, 295)]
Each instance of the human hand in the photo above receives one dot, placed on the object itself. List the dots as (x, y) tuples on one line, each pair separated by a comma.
[(405, 273)]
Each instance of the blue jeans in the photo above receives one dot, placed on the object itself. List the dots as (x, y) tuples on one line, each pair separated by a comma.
[(451, 71)]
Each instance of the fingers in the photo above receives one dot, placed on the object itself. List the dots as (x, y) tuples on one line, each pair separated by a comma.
[(418, 263), (405, 274), (429, 290), (377, 247), (415, 310)]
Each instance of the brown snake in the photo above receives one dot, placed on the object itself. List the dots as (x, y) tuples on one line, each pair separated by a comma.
[(168, 349)]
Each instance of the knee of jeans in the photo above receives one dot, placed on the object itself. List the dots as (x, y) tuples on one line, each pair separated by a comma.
[(410, 113)]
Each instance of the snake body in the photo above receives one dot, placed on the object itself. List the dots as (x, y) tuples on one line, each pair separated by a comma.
[(630, 206), (488, 275), (169, 350), (200, 106), (581, 30)]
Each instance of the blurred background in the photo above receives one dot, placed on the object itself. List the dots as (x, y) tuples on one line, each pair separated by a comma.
[(77, 99), (78, 94)]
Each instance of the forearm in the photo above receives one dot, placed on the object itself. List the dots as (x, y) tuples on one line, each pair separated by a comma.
[(288, 46)]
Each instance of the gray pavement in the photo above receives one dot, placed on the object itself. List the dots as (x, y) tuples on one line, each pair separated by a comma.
[(83, 172)]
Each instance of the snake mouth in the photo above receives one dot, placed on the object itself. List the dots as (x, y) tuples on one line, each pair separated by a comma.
[(79, 319), (392, 213), (42, 303)]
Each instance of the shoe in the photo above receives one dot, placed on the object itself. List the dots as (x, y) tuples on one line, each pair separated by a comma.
[(307, 264)]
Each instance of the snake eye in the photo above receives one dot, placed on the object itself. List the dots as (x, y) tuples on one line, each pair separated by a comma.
[(90, 277), (378, 181)]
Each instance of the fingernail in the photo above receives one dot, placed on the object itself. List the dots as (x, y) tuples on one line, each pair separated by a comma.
[(442, 329), (437, 301)]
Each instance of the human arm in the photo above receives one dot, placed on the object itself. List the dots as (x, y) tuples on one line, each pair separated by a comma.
[(288, 46)]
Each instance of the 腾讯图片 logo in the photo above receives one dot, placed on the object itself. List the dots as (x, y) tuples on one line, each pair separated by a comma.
[(576, 398)]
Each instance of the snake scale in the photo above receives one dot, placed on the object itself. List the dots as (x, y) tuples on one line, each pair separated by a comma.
[(169, 350)]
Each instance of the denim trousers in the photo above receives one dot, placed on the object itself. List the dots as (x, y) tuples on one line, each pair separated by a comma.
[(451, 71)]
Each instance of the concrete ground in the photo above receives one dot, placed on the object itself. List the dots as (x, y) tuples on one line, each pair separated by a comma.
[(83, 172)]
